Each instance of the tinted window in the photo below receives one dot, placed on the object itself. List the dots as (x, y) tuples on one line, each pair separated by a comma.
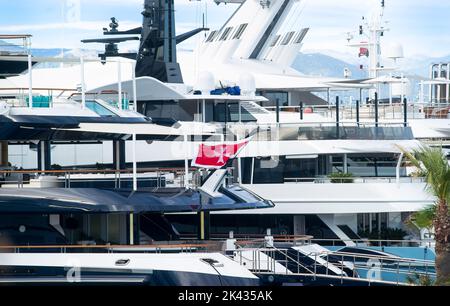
[(287, 38), (232, 113), (226, 33), (99, 109), (240, 31)]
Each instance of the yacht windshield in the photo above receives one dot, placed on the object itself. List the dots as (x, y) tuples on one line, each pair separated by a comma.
[(99, 109)]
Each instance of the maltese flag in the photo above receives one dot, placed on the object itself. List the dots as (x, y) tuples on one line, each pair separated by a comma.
[(216, 156)]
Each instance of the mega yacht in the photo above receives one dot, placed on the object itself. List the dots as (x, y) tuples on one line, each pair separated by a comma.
[(335, 178), (54, 220), (301, 154)]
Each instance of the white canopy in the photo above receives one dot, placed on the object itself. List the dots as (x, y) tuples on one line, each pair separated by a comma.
[(138, 129), (314, 147), (148, 88), (385, 79), (438, 81), (354, 84)]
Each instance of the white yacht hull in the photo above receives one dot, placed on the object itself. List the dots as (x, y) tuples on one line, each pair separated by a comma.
[(140, 269)]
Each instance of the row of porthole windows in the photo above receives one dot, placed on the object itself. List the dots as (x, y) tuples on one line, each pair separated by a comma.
[(226, 33), (287, 38)]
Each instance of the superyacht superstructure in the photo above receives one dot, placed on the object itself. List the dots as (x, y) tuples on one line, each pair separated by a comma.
[(333, 171), (89, 146)]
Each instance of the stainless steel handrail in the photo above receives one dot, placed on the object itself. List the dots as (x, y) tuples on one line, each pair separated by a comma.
[(360, 262), (68, 177), (356, 180)]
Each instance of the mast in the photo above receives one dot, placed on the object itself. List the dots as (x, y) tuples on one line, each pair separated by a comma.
[(157, 55), (376, 30), (372, 29)]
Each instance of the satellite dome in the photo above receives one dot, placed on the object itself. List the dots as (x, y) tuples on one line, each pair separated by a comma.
[(395, 51), (205, 82)]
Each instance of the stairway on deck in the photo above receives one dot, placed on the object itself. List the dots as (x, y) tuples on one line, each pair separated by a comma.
[(329, 221)]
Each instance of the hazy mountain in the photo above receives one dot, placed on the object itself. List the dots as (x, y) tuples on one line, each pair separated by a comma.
[(67, 53), (319, 64), (333, 63), (421, 66), (329, 63)]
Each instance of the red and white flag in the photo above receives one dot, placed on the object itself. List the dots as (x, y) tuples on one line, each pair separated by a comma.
[(216, 156)]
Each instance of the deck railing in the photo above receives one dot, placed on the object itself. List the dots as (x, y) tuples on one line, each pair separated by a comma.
[(362, 242), (164, 247), (395, 111), (147, 177), (262, 259), (355, 180), (258, 239), (336, 266)]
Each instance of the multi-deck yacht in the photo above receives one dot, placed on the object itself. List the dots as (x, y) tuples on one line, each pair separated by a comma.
[(47, 210), (301, 153), (299, 158)]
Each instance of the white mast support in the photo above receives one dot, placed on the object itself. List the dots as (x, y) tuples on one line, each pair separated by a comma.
[(43, 155), (83, 85), (422, 93), (328, 97), (447, 95), (119, 84), (186, 162), (135, 185), (345, 163), (240, 111), (204, 111), (397, 169), (374, 28), (438, 94), (239, 162), (134, 86), (253, 171), (131, 229), (402, 88), (430, 89), (390, 92), (30, 81)]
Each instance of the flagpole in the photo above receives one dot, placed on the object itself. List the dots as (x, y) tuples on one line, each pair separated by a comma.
[(186, 163), (239, 161)]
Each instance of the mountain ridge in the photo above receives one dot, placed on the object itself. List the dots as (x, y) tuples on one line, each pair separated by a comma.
[(325, 63)]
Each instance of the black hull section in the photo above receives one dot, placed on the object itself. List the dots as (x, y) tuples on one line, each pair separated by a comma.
[(318, 280), (13, 67), (50, 276), (65, 128)]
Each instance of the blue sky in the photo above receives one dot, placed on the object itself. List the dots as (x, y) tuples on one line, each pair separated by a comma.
[(422, 27)]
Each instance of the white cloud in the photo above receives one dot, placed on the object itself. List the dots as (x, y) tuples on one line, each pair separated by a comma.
[(418, 25), (329, 21)]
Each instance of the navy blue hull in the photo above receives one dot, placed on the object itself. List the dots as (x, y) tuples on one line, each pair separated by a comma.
[(43, 276)]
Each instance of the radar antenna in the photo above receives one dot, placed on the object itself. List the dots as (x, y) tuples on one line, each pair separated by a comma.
[(157, 50)]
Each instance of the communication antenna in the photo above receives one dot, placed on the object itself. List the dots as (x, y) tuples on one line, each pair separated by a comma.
[(370, 32), (157, 55)]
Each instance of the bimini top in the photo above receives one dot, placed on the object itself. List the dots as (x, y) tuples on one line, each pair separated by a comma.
[(91, 200)]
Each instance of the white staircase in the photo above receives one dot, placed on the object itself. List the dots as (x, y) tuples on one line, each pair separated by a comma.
[(329, 221)]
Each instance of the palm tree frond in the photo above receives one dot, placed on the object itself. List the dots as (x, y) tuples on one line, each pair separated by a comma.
[(424, 218)]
